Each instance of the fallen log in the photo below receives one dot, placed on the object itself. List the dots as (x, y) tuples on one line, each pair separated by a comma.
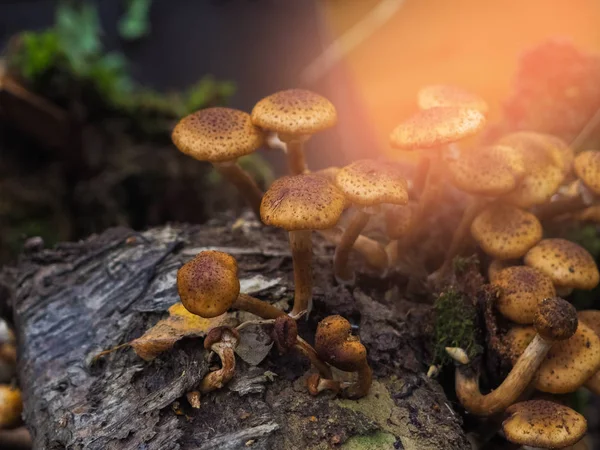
[(73, 301)]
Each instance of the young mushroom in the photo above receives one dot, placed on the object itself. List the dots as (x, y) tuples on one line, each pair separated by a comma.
[(222, 341), (221, 136), (295, 115), (506, 232), (555, 320), (300, 204), (569, 265), (543, 424), (208, 286), (367, 184), (337, 346)]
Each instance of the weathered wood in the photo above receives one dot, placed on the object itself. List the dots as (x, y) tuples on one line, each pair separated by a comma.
[(81, 298)]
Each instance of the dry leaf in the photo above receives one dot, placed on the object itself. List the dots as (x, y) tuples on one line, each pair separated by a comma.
[(180, 323)]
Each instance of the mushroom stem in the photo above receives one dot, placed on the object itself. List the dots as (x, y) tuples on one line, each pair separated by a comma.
[(301, 246), (361, 386), (219, 378), (244, 183), (257, 307), (373, 252), (342, 252), (467, 387), (295, 154), (307, 350), (560, 207), (317, 384), (420, 176)]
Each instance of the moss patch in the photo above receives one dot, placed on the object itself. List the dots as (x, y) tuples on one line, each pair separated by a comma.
[(374, 441), (377, 406)]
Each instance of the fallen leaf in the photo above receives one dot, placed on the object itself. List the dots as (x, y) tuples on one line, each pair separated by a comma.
[(255, 344)]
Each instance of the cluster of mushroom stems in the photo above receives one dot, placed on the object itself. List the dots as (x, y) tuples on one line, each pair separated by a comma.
[(512, 183)]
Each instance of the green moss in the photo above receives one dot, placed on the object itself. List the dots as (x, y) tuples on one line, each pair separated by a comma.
[(461, 263), (454, 326), (376, 406), (375, 441)]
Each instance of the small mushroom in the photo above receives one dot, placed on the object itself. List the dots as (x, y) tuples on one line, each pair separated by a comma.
[(337, 346), (11, 406), (300, 204), (222, 341), (543, 424), (506, 232), (367, 184), (208, 286), (556, 320), (442, 95), (220, 136), (295, 115), (522, 288), (592, 319), (569, 265), (587, 168)]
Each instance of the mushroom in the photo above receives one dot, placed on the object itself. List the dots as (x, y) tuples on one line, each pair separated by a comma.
[(300, 204), (592, 319), (11, 406), (222, 341), (220, 136), (568, 365), (498, 265), (285, 336), (295, 115), (366, 184), (506, 232), (522, 288), (484, 172), (337, 346), (543, 424), (587, 168), (569, 265), (442, 95), (545, 170), (555, 320), (432, 129), (208, 286)]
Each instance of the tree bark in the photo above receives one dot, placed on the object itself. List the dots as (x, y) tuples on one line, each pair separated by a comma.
[(78, 299)]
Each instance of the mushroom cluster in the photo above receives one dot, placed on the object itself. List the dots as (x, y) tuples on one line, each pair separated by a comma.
[(515, 185)]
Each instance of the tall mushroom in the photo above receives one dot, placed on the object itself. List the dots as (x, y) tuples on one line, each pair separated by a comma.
[(295, 115), (220, 136), (555, 320), (208, 286), (222, 341), (336, 345), (300, 204), (366, 184)]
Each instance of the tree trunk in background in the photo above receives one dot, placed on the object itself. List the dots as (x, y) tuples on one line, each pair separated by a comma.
[(80, 298)]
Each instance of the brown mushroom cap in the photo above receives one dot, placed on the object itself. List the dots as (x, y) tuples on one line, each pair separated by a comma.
[(497, 265), (592, 319), (516, 340), (294, 112), (522, 288), (492, 171), (562, 154), (506, 232), (544, 172), (208, 284), (540, 423), (566, 263), (11, 406), (441, 95), (217, 135), (587, 168), (368, 182), (555, 319), (302, 202), (437, 126), (335, 345)]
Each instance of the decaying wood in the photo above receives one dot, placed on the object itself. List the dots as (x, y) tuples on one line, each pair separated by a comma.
[(80, 298)]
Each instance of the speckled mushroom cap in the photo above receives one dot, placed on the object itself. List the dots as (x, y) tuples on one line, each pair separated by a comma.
[(368, 182), (566, 263), (437, 126), (516, 341), (497, 265), (589, 214), (544, 173), (329, 173), (543, 424), (398, 219), (441, 95), (335, 345), (302, 202), (569, 363), (294, 112), (522, 288), (555, 319), (592, 319), (217, 135), (587, 168), (561, 152), (208, 284), (491, 171), (506, 232)]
